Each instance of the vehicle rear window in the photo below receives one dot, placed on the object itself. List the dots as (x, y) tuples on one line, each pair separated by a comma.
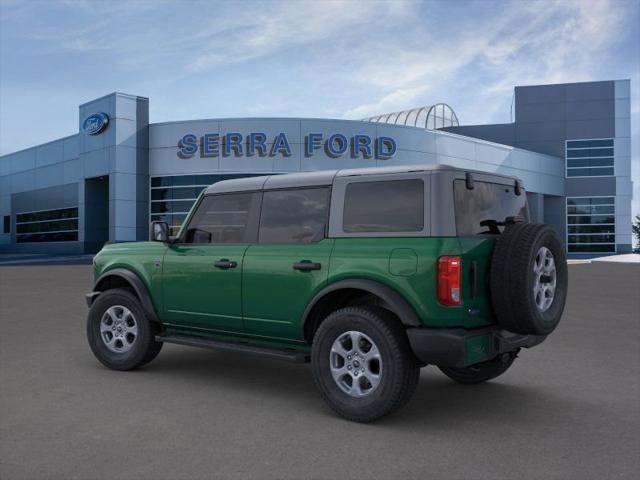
[(294, 215), (384, 206), (487, 201), (223, 219)]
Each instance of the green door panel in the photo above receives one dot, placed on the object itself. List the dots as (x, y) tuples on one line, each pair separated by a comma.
[(274, 295), (199, 295), (374, 259)]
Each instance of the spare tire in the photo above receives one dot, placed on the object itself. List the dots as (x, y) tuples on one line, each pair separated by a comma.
[(528, 279)]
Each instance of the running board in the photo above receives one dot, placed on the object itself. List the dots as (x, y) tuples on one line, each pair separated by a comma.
[(288, 355)]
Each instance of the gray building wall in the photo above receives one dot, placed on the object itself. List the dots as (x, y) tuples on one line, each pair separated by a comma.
[(34, 176), (59, 196), (504, 133), (38, 173), (546, 116), (121, 153), (130, 151), (541, 173)]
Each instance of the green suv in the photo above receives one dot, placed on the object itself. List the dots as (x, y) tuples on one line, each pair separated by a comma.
[(370, 274)]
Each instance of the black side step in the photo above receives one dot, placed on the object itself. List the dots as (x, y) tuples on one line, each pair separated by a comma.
[(288, 355)]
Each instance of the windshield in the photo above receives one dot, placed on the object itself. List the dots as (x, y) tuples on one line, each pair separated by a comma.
[(486, 203)]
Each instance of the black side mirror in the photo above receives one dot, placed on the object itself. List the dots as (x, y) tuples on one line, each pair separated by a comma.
[(159, 232)]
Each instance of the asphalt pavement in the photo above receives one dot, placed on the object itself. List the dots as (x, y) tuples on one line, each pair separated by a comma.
[(567, 409)]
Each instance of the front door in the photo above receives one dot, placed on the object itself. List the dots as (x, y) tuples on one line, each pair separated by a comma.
[(202, 271), (289, 263)]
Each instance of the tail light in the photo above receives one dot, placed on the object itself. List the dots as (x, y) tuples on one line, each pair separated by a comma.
[(449, 280)]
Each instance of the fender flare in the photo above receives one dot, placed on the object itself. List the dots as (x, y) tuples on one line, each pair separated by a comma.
[(138, 286), (396, 302)]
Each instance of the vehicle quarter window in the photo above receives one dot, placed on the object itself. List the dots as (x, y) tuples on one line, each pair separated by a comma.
[(225, 218), (294, 215), (384, 206)]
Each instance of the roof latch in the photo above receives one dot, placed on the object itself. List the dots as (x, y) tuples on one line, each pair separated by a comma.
[(518, 187), (468, 180)]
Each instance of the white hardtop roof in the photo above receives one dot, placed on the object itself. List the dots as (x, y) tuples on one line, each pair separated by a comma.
[(322, 177)]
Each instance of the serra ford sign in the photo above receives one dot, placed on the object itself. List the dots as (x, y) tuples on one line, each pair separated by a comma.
[(258, 144)]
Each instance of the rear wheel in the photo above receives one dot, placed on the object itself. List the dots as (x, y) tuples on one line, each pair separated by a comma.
[(528, 279), (480, 372), (119, 333), (362, 363)]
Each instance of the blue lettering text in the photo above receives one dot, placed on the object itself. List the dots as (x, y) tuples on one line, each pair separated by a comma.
[(280, 145)]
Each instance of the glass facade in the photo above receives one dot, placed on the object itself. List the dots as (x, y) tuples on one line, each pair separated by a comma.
[(591, 225), (59, 225), (589, 158), (430, 117), (173, 196)]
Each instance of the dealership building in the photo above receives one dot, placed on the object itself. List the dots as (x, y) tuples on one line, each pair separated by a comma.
[(569, 143)]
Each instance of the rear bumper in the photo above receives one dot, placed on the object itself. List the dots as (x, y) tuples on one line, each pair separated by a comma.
[(459, 347)]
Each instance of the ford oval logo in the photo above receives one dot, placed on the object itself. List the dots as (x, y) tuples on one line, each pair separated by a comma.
[(95, 123)]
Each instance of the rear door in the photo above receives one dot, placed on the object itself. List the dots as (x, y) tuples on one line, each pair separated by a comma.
[(477, 210), (202, 273), (289, 263)]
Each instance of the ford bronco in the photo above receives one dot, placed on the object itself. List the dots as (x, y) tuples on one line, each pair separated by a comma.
[(369, 274)]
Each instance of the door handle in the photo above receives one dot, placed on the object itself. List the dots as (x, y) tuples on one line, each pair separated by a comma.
[(306, 266), (225, 264)]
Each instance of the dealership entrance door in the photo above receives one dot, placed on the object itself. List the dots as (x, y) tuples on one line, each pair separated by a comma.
[(96, 213)]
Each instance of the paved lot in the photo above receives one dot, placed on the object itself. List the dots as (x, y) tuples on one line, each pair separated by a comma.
[(567, 409)]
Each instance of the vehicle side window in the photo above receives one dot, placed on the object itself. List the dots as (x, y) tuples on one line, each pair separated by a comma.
[(485, 203), (225, 218), (384, 206), (294, 215)]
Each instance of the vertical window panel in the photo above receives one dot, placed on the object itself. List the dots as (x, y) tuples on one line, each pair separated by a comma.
[(591, 225), (56, 225), (589, 158)]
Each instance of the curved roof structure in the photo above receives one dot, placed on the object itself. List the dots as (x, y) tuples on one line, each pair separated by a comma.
[(431, 117)]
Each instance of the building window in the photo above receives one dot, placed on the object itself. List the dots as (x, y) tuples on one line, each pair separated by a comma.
[(591, 226), (589, 158), (59, 225), (172, 197), (7, 224)]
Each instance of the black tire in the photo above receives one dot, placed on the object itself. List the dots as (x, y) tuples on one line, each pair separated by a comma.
[(399, 371), (144, 347), (480, 372), (512, 279)]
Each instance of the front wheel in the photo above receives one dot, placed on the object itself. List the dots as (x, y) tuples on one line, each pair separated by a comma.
[(119, 333), (362, 363), (480, 372)]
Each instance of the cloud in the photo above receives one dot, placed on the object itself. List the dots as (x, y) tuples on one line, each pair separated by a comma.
[(524, 44), (306, 58), (266, 30), (387, 104)]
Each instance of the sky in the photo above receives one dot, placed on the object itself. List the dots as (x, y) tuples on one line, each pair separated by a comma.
[(323, 59)]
